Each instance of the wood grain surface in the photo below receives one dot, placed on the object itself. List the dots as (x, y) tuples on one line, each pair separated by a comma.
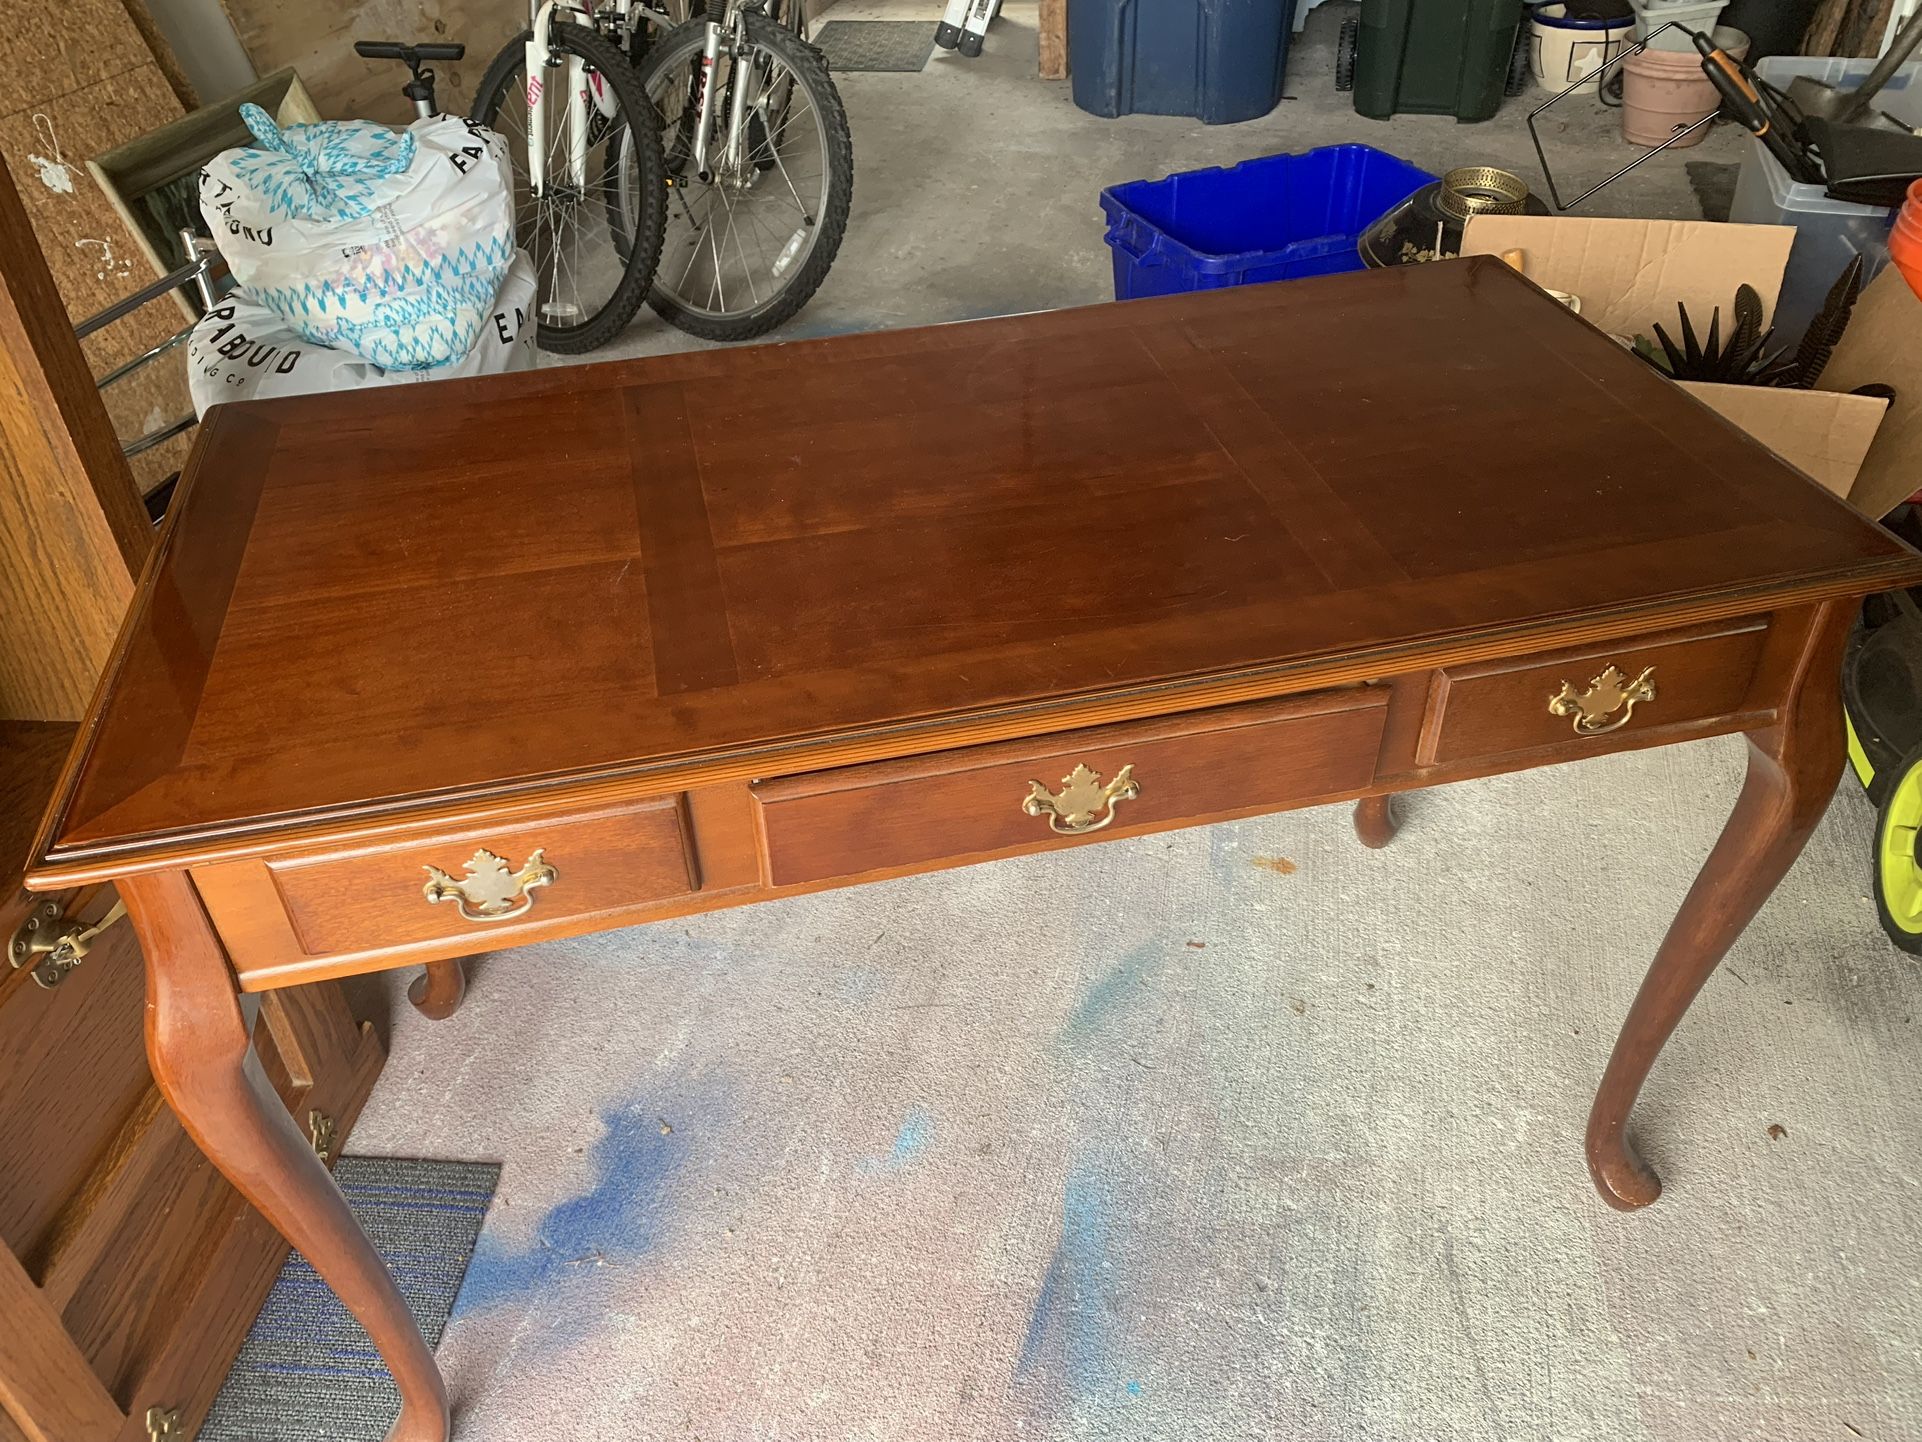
[(72, 532), (661, 573)]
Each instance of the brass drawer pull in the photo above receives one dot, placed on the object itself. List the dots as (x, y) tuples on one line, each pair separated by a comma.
[(1083, 804), (1611, 692), (489, 891)]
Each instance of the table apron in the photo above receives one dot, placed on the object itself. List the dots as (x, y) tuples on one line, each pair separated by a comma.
[(314, 914)]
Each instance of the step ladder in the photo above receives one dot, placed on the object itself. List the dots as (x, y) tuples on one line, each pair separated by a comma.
[(965, 26)]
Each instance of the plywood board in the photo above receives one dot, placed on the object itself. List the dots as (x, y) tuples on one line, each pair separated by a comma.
[(84, 82)]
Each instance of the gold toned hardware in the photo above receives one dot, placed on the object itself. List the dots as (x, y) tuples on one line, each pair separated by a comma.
[(321, 1132), (1607, 694), (1082, 804), (489, 891), (163, 1424), (55, 944)]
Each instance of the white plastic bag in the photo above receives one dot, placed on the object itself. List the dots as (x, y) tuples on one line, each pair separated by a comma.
[(240, 350), (389, 244)]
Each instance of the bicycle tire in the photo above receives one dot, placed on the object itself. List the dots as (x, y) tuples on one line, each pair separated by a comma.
[(638, 260), (809, 68)]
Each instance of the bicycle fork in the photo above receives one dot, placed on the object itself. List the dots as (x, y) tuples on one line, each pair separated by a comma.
[(723, 19), (539, 58)]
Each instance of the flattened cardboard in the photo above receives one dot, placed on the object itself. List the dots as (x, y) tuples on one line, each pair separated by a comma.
[(1884, 343), (1824, 434), (1631, 273)]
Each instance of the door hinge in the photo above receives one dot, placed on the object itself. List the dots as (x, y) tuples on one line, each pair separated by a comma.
[(322, 1133), (53, 943), (163, 1424)]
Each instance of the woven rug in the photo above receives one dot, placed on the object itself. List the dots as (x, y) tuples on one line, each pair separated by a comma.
[(876, 44), (307, 1372)]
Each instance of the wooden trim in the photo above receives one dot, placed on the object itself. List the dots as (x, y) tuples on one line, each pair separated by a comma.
[(398, 818), (135, 1159), (72, 530), (47, 1387), (1053, 32)]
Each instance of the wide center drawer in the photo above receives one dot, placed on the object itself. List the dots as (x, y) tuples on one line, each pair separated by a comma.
[(1230, 760)]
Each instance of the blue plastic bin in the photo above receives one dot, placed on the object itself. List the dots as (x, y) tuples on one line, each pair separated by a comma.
[(1217, 60), (1275, 218)]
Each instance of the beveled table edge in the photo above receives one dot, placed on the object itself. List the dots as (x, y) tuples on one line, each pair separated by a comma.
[(548, 794)]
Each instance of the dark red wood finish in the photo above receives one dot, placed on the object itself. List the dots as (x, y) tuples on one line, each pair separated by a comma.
[(729, 625)]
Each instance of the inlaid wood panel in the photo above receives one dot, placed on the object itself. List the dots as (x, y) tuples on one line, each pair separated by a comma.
[(743, 564)]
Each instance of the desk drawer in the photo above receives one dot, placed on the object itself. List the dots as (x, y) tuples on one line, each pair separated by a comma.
[(1497, 708), (1227, 761), (374, 899)]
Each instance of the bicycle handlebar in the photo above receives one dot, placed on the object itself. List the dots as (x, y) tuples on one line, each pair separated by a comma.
[(411, 54)]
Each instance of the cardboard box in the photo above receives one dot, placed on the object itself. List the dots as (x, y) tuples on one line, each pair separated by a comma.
[(1631, 273), (1883, 344)]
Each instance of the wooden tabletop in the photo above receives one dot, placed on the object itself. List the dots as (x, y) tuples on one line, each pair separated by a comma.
[(750, 560)]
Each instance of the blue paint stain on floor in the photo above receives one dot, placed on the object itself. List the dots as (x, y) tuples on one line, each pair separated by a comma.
[(914, 1137), (1117, 989), (618, 1219), (1070, 1337)]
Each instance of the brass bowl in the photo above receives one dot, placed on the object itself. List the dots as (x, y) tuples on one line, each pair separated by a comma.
[(1470, 190)]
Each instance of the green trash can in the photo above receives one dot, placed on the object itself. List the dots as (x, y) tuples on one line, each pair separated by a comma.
[(1417, 57)]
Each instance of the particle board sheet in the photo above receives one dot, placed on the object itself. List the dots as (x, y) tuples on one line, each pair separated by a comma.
[(84, 81)]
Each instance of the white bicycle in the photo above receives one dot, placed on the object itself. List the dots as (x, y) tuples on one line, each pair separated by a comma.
[(722, 136)]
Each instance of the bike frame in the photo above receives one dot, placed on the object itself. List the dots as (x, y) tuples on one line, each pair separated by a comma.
[(624, 16), (619, 19)]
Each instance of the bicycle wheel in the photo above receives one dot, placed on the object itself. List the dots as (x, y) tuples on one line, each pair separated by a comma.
[(591, 280), (749, 243)]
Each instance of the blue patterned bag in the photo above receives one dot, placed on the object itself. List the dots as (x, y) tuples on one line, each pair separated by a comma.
[(389, 244)]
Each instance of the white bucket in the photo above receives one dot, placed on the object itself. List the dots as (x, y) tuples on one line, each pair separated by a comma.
[(1562, 51), (1653, 14)]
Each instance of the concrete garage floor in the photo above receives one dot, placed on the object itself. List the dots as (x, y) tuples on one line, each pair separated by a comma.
[(1243, 1132), (976, 185)]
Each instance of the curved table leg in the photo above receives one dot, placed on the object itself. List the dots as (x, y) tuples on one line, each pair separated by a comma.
[(202, 1061), (436, 993), (1792, 770), (1375, 821)]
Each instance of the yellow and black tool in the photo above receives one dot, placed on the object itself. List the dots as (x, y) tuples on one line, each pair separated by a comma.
[(1744, 101)]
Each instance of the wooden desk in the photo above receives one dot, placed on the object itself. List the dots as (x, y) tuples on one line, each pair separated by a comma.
[(690, 632)]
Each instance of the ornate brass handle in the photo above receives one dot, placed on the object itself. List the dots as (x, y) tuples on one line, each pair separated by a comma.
[(490, 891), (1083, 804), (1607, 703)]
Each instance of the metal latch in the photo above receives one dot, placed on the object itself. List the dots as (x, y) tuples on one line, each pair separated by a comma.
[(53, 944)]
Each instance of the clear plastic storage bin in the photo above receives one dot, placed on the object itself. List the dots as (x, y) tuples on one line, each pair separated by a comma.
[(1828, 231), (1651, 15)]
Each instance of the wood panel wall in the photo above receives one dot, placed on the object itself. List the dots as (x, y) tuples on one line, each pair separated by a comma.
[(72, 533)]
